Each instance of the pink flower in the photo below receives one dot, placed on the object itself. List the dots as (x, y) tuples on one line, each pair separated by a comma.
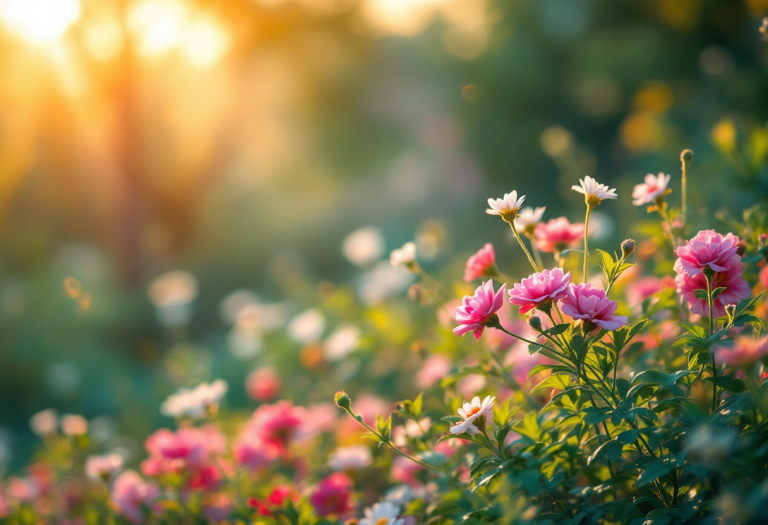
[(434, 368), (736, 288), (590, 305), (278, 422), (708, 249), (651, 189), (477, 310), (332, 495), (186, 450), (641, 289), (255, 452), (557, 235), (538, 288), (481, 264), (131, 494), (263, 384), (744, 352)]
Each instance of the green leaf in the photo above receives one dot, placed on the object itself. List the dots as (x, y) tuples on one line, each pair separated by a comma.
[(701, 294), (610, 450), (717, 291), (653, 470), (731, 384), (560, 381)]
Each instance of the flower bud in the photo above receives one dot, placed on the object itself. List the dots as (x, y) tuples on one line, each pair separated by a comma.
[(741, 248), (686, 156), (342, 400), (535, 323), (627, 247)]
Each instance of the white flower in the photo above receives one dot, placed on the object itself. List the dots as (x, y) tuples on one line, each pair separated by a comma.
[(307, 327), (471, 412), (44, 423), (593, 191), (528, 217), (509, 204), (364, 246), (403, 256), (103, 467), (195, 403), (382, 282), (355, 457), (384, 513), (73, 425), (341, 342)]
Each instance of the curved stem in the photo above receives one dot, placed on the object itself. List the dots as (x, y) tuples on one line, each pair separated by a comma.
[(710, 303), (586, 243), (522, 245), (536, 253), (389, 442)]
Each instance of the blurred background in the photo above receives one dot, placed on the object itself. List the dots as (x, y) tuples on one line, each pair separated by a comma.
[(238, 143)]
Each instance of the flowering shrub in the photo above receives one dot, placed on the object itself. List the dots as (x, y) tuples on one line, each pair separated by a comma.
[(615, 388)]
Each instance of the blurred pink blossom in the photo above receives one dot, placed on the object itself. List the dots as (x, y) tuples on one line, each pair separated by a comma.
[(131, 494), (481, 264), (332, 495), (743, 352), (650, 190), (263, 384), (434, 368), (557, 235)]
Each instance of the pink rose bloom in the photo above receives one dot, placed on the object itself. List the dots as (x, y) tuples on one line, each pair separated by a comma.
[(736, 288), (557, 235), (743, 352), (708, 249), (278, 422), (477, 310), (651, 189), (481, 264), (332, 495), (130, 493), (641, 289), (187, 449), (263, 384), (547, 285), (434, 368), (255, 452), (589, 304)]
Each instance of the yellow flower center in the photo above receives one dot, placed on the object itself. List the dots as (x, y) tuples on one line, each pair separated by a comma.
[(382, 521)]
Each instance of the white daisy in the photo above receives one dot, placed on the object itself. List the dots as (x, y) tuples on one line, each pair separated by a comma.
[(355, 457), (403, 256), (528, 217), (593, 191), (507, 206), (384, 513), (471, 412)]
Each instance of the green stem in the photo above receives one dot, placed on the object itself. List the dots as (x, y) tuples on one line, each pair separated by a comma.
[(388, 442), (586, 242), (710, 303), (536, 253), (522, 245)]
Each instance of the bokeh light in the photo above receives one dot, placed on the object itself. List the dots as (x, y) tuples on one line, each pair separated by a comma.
[(39, 20)]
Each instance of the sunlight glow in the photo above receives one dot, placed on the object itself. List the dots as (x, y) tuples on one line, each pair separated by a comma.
[(39, 21), (103, 37), (157, 25), (205, 41)]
